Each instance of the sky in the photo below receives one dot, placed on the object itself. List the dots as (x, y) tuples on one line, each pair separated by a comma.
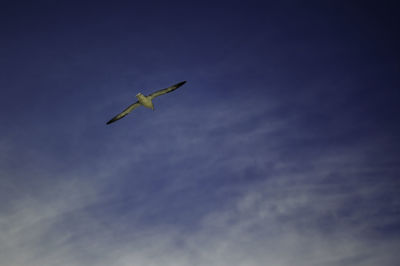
[(281, 149)]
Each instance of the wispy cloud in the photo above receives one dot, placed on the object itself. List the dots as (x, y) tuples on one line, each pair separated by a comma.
[(315, 208)]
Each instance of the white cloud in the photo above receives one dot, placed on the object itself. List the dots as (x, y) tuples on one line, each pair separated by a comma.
[(315, 210)]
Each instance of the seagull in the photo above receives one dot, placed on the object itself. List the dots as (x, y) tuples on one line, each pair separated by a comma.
[(146, 101)]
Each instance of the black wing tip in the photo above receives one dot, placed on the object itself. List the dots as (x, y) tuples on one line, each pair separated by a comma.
[(180, 83), (111, 121)]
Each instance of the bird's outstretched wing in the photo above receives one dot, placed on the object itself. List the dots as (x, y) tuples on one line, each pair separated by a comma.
[(164, 91), (125, 112)]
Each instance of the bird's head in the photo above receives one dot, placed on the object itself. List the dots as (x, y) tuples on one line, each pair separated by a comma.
[(139, 95)]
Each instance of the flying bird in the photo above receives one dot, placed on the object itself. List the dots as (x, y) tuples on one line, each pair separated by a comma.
[(146, 101)]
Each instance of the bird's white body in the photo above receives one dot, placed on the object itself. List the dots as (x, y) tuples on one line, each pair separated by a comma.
[(145, 101)]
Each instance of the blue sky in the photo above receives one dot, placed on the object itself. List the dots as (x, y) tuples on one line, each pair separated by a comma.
[(281, 149)]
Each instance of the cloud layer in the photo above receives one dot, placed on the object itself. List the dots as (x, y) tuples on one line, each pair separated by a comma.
[(230, 188)]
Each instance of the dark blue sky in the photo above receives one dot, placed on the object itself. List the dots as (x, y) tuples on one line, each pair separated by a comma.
[(281, 149)]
